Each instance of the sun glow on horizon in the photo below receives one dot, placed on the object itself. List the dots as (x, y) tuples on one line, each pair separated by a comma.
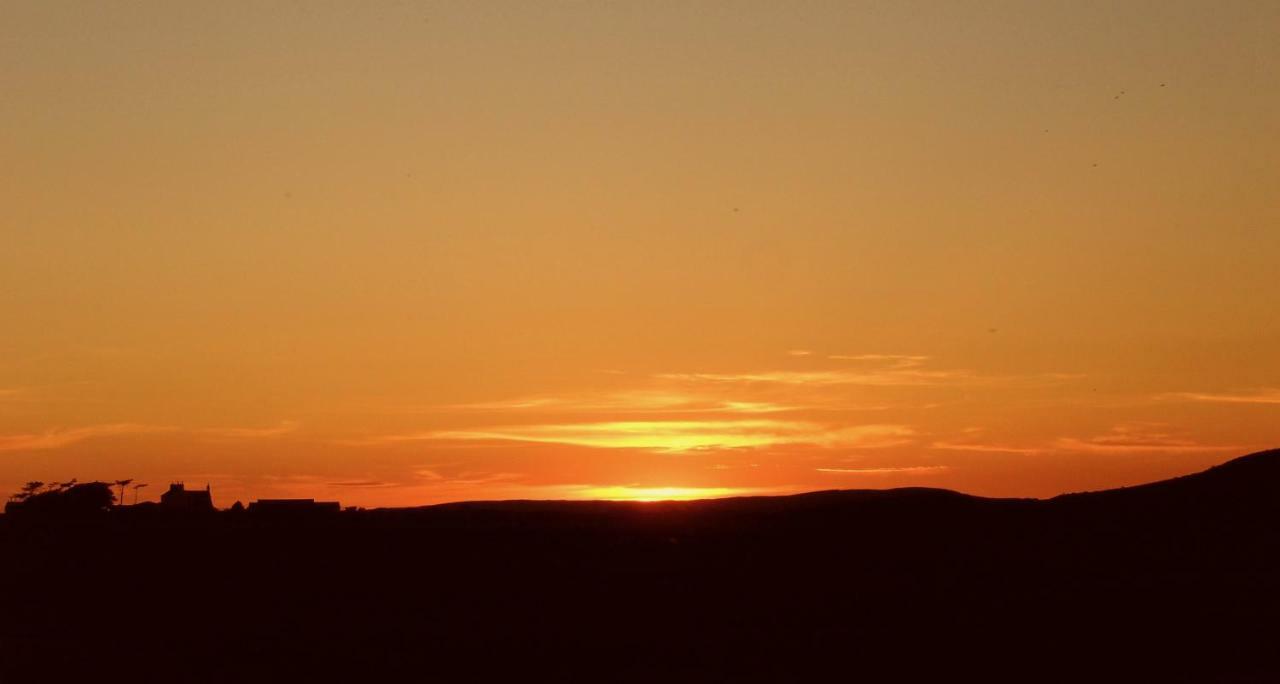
[(654, 494)]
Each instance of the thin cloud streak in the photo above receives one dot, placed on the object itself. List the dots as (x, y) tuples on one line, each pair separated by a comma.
[(681, 435), (56, 439), (989, 448), (1262, 396), (899, 360), (59, 438), (1138, 438), (890, 377), (870, 370), (631, 402), (365, 484)]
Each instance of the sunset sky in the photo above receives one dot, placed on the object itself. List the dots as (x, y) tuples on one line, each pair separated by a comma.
[(395, 253)]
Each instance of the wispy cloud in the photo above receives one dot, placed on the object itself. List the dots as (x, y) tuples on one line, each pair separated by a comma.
[(980, 447), (55, 439), (880, 370), (1260, 396), (908, 470), (62, 437), (900, 360), (896, 376), (365, 484), (1138, 438), (676, 412), (734, 395), (442, 475), (643, 401), (681, 435), (284, 427), (869, 370)]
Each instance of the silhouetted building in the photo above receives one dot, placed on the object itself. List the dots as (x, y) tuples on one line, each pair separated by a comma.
[(179, 498), (293, 506)]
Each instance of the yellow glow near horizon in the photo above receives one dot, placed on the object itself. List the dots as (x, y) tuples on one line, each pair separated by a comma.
[(678, 435), (651, 494), (686, 435)]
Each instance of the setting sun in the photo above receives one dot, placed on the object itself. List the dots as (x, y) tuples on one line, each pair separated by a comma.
[(622, 493)]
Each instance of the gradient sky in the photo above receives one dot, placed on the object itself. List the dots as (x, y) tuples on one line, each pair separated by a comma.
[(397, 253)]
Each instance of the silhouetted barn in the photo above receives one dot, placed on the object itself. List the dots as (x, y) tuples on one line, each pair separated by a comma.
[(179, 498)]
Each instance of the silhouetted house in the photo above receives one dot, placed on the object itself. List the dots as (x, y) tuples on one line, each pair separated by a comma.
[(179, 498), (293, 507)]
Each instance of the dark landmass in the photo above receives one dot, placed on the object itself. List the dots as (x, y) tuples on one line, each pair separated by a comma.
[(1172, 581)]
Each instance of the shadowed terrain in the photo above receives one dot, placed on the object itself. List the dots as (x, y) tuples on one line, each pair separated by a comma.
[(1176, 580)]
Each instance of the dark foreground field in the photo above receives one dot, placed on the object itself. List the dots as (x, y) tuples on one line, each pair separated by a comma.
[(1174, 581)]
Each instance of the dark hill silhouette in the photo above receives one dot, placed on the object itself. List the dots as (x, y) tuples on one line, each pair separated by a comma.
[(1171, 581), (1230, 484), (1241, 481)]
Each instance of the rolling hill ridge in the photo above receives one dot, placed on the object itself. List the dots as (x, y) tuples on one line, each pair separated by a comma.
[(1176, 580)]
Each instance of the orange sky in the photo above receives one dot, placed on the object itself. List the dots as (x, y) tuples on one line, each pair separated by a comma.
[(398, 253)]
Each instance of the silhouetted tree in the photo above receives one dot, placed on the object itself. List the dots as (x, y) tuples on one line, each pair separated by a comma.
[(136, 487), (28, 490), (66, 498), (122, 484)]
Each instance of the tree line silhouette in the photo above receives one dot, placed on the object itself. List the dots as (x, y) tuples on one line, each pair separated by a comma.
[(71, 497)]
